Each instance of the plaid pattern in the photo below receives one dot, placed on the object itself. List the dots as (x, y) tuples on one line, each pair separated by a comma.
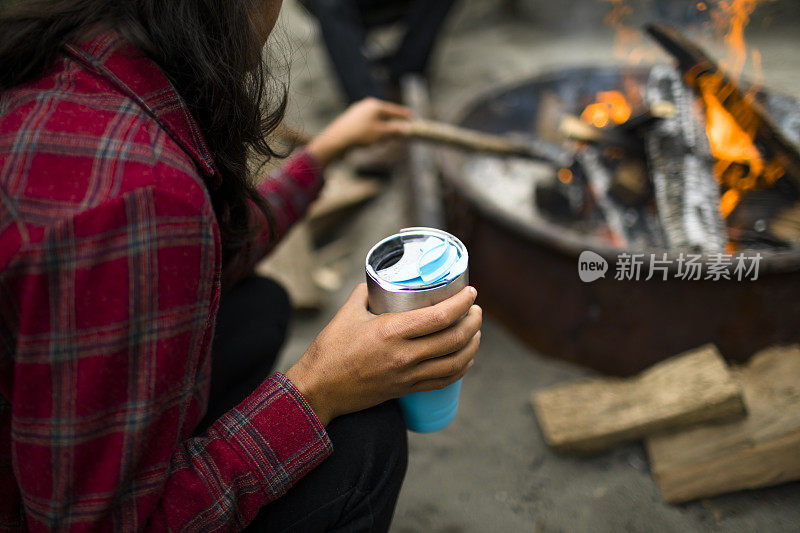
[(109, 287)]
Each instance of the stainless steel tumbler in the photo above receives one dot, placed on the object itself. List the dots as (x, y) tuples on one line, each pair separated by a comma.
[(388, 294), (415, 268)]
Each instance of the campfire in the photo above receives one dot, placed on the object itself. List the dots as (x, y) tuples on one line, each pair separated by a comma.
[(688, 160), (685, 157), (668, 160)]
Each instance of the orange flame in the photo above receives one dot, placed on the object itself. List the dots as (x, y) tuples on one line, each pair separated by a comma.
[(731, 18), (610, 106), (731, 132), (629, 44), (730, 143)]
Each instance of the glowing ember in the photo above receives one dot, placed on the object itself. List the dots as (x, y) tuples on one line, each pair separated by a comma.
[(610, 106)]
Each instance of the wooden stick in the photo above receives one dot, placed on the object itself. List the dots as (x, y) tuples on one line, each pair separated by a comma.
[(657, 110), (699, 70), (478, 141), (441, 132)]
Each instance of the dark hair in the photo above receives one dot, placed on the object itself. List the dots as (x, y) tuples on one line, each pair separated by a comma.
[(211, 51)]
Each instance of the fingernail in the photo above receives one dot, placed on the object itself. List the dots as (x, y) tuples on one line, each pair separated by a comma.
[(474, 292), (478, 335), (476, 308)]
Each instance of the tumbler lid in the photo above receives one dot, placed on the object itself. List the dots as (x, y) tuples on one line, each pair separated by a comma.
[(418, 258)]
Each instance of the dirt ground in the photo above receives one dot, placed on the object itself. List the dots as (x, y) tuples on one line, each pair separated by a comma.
[(491, 470)]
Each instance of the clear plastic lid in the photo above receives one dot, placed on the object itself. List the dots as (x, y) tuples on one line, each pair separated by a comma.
[(417, 258)]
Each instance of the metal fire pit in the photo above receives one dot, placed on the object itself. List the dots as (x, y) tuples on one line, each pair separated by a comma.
[(527, 270)]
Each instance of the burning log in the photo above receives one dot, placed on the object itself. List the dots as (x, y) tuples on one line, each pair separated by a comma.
[(576, 129), (655, 111), (686, 193), (703, 73)]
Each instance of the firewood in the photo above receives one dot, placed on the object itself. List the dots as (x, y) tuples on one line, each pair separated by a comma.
[(700, 69), (620, 135), (679, 157), (655, 111), (760, 450), (478, 141), (595, 414), (576, 129)]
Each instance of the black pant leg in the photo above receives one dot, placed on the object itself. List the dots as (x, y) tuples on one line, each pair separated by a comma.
[(423, 25), (344, 34), (356, 488), (251, 326)]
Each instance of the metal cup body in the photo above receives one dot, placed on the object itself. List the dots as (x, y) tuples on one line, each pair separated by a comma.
[(429, 411)]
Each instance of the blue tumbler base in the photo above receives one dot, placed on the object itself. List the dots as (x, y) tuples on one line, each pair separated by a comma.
[(426, 412)]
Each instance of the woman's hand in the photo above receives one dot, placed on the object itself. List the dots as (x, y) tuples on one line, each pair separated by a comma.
[(360, 359), (363, 123)]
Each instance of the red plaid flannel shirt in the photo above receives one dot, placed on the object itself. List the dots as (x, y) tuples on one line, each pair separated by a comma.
[(109, 287)]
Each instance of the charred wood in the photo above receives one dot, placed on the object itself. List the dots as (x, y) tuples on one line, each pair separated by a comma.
[(686, 193)]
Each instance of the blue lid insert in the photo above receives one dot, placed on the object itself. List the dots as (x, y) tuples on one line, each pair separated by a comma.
[(426, 260)]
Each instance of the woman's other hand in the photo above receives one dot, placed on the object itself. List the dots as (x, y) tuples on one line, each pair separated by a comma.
[(361, 359), (363, 123)]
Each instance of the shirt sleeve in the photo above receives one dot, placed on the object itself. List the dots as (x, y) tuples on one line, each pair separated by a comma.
[(288, 192), (115, 310)]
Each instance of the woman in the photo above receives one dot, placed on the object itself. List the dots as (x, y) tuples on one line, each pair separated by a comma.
[(125, 205)]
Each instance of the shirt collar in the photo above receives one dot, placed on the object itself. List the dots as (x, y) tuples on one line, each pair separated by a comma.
[(110, 56)]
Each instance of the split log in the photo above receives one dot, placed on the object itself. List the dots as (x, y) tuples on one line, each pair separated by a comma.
[(760, 450), (702, 71), (679, 157), (596, 414)]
